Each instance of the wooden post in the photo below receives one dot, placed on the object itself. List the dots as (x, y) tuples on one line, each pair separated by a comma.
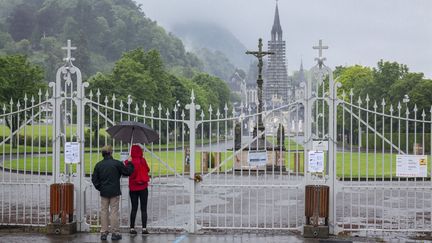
[(217, 160), (205, 161), (186, 159), (297, 161), (418, 149)]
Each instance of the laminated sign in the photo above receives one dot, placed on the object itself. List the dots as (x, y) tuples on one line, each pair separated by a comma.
[(411, 165), (320, 145), (72, 153), (257, 158), (316, 161)]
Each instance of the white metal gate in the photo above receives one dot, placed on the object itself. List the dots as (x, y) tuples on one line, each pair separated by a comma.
[(370, 195), (202, 177)]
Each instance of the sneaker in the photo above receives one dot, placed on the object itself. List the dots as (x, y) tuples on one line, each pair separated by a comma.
[(145, 232), (104, 236), (132, 231), (116, 236)]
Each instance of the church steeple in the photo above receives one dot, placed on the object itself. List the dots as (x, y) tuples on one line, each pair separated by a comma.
[(301, 73), (276, 84), (276, 32)]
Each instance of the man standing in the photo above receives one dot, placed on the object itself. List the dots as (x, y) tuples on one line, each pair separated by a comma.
[(106, 179)]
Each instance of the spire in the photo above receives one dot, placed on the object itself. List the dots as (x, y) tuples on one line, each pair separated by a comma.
[(276, 32), (301, 73)]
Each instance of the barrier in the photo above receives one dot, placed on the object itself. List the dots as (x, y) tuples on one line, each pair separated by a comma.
[(316, 211), (61, 203)]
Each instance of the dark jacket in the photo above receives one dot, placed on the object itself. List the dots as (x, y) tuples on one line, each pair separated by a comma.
[(139, 179), (106, 176)]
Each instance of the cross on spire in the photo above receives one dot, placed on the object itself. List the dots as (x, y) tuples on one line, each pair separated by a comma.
[(320, 47), (68, 49)]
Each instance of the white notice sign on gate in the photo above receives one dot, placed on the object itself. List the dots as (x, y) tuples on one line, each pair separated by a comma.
[(257, 158), (72, 152), (411, 165), (316, 161), (320, 145)]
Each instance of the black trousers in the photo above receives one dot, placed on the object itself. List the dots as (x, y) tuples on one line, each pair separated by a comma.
[(142, 196)]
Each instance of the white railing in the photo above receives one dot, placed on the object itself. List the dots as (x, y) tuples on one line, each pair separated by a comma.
[(201, 173)]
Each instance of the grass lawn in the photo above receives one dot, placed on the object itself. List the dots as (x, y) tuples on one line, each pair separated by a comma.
[(157, 168), (289, 143), (348, 165), (42, 130), (357, 165)]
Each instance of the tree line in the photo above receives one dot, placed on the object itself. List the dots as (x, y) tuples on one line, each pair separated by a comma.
[(388, 81)]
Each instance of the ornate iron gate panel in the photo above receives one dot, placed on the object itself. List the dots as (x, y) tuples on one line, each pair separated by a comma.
[(169, 160), (241, 192), (26, 146), (211, 169), (371, 195)]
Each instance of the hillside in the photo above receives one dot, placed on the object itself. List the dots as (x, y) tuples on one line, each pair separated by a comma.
[(101, 29), (199, 35)]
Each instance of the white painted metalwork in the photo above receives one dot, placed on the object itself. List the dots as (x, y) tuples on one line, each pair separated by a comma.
[(201, 178)]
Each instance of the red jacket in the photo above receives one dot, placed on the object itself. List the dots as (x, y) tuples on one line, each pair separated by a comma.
[(139, 179)]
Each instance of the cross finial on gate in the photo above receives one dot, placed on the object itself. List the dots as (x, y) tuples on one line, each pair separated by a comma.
[(68, 49), (320, 47)]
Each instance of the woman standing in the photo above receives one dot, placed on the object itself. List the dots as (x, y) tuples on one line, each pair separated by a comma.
[(138, 183)]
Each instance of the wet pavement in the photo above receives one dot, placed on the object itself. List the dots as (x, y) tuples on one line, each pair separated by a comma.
[(161, 238), (19, 234), (23, 235)]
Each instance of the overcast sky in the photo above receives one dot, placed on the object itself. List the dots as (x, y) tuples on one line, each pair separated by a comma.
[(357, 31)]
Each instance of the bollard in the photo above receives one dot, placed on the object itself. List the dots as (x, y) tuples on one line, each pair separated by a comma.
[(61, 203), (61, 209), (316, 211)]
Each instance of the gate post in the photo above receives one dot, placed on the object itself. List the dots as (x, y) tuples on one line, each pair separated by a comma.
[(192, 124), (332, 148), (64, 77), (81, 184), (320, 70)]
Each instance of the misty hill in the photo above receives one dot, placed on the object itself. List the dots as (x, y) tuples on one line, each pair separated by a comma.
[(199, 35), (216, 63), (101, 29)]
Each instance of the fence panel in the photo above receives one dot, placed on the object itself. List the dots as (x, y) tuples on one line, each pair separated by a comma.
[(26, 160)]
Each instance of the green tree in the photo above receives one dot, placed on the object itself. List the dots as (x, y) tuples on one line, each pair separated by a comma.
[(18, 78), (21, 21), (218, 90), (358, 78), (421, 95), (109, 28), (385, 75), (216, 63), (133, 75), (403, 86), (50, 57)]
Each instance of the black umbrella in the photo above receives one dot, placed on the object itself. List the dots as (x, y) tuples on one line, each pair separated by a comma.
[(133, 132)]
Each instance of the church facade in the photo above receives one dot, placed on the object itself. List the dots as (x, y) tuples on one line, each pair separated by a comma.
[(276, 84)]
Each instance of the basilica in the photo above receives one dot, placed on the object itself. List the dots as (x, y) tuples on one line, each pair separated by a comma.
[(279, 87)]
